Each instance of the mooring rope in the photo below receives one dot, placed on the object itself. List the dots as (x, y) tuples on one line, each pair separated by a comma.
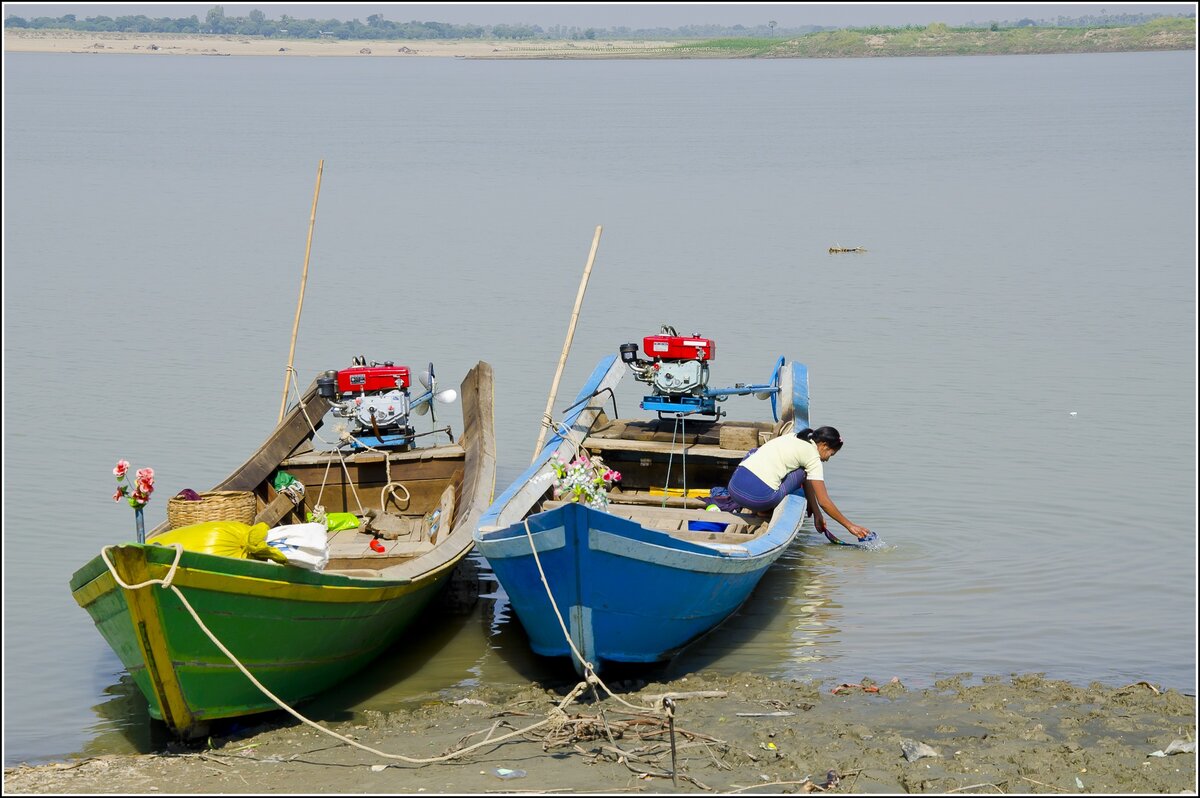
[(590, 676), (562, 431), (558, 714), (165, 581)]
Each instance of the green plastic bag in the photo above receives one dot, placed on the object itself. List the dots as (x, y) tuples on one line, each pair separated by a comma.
[(338, 521), (282, 480)]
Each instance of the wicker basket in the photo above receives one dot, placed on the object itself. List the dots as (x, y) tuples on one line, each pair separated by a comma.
[(218, 505)]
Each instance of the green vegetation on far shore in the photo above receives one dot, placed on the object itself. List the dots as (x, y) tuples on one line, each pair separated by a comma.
[(1171, 33), (937, 39)]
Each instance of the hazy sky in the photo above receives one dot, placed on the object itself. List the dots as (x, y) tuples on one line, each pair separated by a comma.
[(611, 15)]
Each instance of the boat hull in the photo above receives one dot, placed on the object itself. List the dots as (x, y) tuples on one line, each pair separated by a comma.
[(625, 593), (298, 632)]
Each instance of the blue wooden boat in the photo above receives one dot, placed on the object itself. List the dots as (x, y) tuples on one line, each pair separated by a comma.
[(647, 574)]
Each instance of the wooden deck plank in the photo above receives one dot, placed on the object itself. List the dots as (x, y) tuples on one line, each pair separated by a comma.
[(319, 458), (651, 500), (661, 447), (694, 431), (354, 544)]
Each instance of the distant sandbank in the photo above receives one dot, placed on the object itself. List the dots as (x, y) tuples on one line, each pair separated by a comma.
[(933, 40), (162, 45)]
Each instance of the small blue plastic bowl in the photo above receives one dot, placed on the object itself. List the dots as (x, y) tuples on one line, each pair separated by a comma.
[(706, 526)]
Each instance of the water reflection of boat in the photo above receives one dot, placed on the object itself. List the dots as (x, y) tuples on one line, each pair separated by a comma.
[(778, 630), (437, 654), (123, 723)]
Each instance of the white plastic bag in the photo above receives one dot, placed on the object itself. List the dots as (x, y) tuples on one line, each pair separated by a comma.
[(305, 545)]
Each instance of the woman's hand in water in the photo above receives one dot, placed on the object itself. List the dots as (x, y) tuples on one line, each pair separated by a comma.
[(859, 532)]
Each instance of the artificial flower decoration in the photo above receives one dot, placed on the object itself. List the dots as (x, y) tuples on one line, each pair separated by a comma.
[(143, 485), (583, 481)]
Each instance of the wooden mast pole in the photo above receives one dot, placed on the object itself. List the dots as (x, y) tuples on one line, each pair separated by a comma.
[(312, 219), (547, 418)]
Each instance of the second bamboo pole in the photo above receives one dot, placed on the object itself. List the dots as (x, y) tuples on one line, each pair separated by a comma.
[(312, 220), (547, 417)]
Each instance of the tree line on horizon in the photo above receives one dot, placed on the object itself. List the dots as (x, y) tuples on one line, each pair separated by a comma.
[(256, 23)]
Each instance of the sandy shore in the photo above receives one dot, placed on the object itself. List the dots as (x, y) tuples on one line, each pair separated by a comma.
[(745, 733), (58, 41)]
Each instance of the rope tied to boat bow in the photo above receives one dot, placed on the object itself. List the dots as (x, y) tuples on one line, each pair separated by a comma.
[(165, 581), (557, 715), (590, 677)]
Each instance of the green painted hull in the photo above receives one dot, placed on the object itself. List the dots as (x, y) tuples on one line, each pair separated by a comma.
[(299, 632)]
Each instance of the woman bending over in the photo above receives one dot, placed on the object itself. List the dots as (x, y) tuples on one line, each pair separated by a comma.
[(788, 464)]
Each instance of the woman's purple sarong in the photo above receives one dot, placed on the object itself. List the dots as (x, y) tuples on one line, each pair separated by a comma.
[(747, 490)]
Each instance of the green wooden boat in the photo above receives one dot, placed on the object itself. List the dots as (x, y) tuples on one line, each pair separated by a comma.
[(299, 631)]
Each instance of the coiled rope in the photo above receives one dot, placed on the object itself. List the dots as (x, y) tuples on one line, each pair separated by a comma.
[(388, 489)]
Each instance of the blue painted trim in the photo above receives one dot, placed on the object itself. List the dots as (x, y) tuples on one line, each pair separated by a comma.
[(775, 372), (679, 404), (714, 561), (518, 545), (577, 407), (386, 442)]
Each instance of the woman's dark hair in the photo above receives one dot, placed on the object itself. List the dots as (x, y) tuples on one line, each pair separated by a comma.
[(826, 435)]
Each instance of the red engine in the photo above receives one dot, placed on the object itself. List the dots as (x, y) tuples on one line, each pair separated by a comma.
[(679, 347), (374, 378), (676, 365), (372, 395)]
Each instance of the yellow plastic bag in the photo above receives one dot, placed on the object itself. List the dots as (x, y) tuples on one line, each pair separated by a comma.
[(224, 538)]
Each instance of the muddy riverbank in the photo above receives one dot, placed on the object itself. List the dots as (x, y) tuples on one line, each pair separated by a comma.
[(743, 733)]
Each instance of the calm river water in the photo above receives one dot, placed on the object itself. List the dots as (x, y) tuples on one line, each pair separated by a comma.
[(1012, 361)]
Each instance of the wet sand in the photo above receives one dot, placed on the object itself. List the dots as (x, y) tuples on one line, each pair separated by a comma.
[(745, 733), (163, 45)]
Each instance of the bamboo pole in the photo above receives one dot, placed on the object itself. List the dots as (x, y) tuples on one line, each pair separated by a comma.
[(587, 271), (312, 219)]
